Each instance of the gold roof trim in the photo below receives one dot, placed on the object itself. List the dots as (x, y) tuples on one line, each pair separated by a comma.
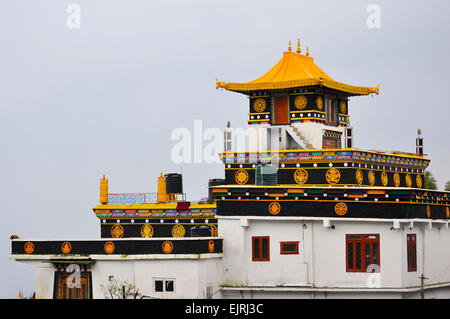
[(295, 70), (241, 87)]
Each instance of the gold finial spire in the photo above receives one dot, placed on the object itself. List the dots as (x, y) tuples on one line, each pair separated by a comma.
[(307, 50), (104, 190), (290, 47), (298, 46)]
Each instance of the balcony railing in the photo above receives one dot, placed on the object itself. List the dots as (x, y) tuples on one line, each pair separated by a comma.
[(138, 198), (132, 198)]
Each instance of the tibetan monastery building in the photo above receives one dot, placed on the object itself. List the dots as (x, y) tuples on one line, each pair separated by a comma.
[(302, 214)]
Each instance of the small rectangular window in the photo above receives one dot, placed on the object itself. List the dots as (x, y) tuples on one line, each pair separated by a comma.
[(159, 285), (260, 248), (411, 252), (164, 285), (289, 247), (169, 285)]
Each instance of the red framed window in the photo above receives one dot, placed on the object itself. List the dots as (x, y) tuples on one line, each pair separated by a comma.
[(362, 251), (65, 291), (411, 252), (289, 247), (261, 248)]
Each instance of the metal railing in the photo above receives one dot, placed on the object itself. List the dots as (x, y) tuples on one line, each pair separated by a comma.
[(132, 198), (138, 198)]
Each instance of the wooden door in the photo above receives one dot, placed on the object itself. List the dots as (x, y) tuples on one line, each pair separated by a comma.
[(281, 110)]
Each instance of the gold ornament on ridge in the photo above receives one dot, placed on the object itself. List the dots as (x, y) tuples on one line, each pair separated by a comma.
[(259, 105), (319, 103), (178, 231), (300, 102), (117, 231), (241, 177), (408, 180), (359, 177), (396, 180), (419, 181), (371, 177), (29, 247), (343, 107), (384, 178), (340, 209), (109, 247), (274, 208), (146, 231), (301, 176), (333, 176)]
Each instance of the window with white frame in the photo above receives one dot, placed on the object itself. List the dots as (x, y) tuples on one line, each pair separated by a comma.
[(163, 285)]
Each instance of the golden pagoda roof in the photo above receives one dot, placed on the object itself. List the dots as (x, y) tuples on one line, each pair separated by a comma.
[(292, 71)]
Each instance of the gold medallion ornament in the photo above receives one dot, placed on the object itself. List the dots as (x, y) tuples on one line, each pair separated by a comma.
[(117, 231), (29, 247), (396, 180), (319, 103), (384, 178), (333, 176), (301, 176), (359, 177), (274, 208), (259, 105), (211, 246), (428, 211), (371, 177), (447, 211), (340, 209), (300, 102), (167, 247), (419, 181), (109, 247), (241, 177), (66, 247), (408, 180), (178, 231), (343, 107), (147, 231)]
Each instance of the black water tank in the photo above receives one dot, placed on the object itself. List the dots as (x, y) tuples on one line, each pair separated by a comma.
[(215, 182), (201, 231), (174, 183)]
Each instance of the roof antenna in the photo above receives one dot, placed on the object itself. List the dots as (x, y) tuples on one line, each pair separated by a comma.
[(298, 46), (290, 47)]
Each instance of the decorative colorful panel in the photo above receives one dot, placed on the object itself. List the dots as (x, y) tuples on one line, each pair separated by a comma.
[(132, 198)]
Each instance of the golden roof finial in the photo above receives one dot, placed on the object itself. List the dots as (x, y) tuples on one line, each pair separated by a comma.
[(307, 50), (290, 47), (104, 190), (298, 46), (321, 77)]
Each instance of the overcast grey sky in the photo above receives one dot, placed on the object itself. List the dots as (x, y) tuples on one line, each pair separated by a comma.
[(103, 99)]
